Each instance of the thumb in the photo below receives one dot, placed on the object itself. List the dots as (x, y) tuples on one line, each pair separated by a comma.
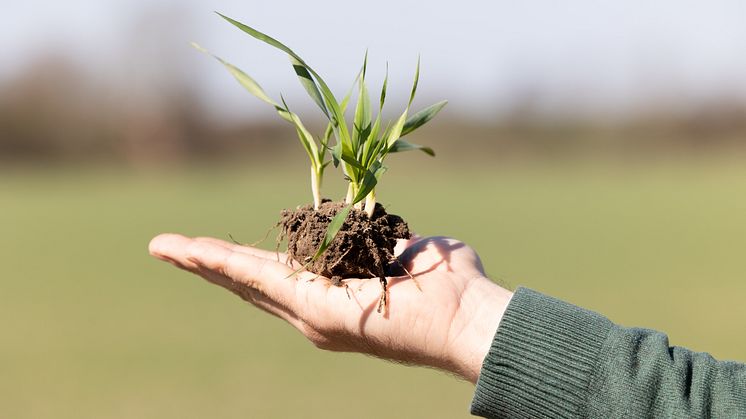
[(403, 244), (442, 254)]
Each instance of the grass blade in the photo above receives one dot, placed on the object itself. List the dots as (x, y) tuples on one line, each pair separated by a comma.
[(262, 37), (380, 171), (422, 117), (363, 113), (244, 79), (336, 151), (352, 161), (305, 137), (367, 184), (369, 181), (336, 116), (304, 76), (402, 145), (396, 130), (371, 146), (331, 232), (383, 88), (416, 81), (379, 145), (307, 81)]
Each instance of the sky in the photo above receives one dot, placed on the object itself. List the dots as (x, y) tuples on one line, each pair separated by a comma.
[(484, 56)]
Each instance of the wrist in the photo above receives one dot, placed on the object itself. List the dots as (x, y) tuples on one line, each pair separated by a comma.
[(483, 304)]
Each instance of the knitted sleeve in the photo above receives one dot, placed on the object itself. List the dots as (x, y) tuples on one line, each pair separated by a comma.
[(551, 359)]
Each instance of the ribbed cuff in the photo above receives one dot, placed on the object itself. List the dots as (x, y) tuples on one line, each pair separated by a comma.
[(541, 360)]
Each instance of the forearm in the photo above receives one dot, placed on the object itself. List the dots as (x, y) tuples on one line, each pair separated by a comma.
[(552, 359)]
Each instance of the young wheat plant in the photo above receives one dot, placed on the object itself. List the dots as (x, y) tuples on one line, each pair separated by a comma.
[(361, 148)]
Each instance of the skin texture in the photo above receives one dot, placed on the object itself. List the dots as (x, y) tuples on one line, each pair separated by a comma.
[(445, 318)]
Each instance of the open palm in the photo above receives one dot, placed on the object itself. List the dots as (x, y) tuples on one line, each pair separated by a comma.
[(436, 313)]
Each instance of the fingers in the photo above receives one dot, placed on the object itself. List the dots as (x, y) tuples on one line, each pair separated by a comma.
[(172, 248), (169, 240), (260, 281), (250, 295), (267, 276), (267, 254)]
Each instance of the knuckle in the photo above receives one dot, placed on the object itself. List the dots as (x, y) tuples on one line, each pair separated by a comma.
[(229, 266), (245, 270), (195, 249), (225, 267), (317, 338)]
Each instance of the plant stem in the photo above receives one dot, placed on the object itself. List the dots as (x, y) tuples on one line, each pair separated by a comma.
[(370, 203), (316, 188), (355, 190), (350, 194)]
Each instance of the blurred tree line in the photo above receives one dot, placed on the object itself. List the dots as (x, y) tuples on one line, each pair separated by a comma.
[(53, 113)]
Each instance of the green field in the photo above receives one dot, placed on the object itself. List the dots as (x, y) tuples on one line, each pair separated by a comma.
[(92, 327)]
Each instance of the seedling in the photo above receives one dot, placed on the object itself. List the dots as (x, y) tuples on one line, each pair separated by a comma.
[(356, 237)]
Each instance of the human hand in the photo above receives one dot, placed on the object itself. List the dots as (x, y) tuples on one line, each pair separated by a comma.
[(444, 316)]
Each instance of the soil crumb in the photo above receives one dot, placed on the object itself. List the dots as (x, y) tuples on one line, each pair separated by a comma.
[(363, 248)]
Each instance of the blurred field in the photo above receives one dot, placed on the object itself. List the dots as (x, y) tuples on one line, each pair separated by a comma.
[(93, 327)]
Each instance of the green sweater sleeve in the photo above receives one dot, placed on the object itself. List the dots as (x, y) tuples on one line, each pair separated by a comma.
[(551, 359)]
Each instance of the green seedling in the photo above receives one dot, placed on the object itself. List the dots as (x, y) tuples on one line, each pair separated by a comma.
[(360, 148)]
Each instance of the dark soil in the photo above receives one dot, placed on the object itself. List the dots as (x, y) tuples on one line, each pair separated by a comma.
[(363, 248)]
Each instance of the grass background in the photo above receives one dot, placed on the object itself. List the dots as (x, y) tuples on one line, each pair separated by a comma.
[(91, 327)]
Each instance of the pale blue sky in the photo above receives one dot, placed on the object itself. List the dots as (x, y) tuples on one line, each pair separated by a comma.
[(570, 56)]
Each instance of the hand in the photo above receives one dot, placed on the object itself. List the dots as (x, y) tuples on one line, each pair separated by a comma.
[(444, 316)]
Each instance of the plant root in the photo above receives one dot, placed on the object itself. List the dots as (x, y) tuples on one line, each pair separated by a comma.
[(363, 247)]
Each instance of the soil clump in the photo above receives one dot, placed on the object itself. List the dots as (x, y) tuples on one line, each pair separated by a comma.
[(363, 247)]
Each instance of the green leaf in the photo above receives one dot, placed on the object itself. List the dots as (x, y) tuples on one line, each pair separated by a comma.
[(342, 106), (363, 113), (331, 232), (396, 130), (379, 146), (368, 152), (373, 143), (351, 160), (307, 81), (402, 145), (244, 79), (369, 181), (422, 117), (337, 116), (416, 81), (253, 87), (345, 101), (336, 151), (284, 114), (262, 37), (383, 88), (381, 170), (305, 137)]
